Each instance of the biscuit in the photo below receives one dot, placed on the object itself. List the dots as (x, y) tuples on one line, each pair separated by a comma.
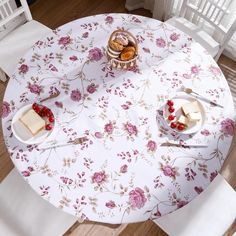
[(128, 53), (122, 40), (116, 46)]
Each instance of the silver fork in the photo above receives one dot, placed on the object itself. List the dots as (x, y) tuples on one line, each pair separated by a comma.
[(55, 144)]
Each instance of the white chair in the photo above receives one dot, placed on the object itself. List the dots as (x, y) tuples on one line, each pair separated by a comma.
[(24, 213), (22, 35), (204, 21), (210, 214)]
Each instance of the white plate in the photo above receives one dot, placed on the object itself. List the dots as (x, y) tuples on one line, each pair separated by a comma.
[(180, 100), (22, 133)]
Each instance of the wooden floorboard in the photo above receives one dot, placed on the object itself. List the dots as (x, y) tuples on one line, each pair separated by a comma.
[(55, 13)]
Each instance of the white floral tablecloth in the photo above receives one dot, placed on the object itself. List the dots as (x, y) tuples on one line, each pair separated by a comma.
[(121, 174)]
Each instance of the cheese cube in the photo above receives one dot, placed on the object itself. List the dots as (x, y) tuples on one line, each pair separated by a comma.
[(190, 107), (195, 116), (32, 121), (183, 120)]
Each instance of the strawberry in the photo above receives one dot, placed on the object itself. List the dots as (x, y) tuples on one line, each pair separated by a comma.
[(51, 119), (171, 109), (180, 127), (170, 103), (173, 125), (171, 117), (48, 127)]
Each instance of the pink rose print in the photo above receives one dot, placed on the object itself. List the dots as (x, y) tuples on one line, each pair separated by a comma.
[(198, 189), (157, 213), (52, 67), (85, 35), (131, 129), (205, 132), (215, 70), (123, 169), (160, 42), (174, 37), (111, 204), (181, 203), (23, 69), (99, 177), (95, 54), (147, 50), (64, 40), (137, 198), (195, 69), (151, 145), (134, 69), (109, 20), (5, 109), (169, 171), (59, 104), (75, 95), (92, 88), (187, 76), (66, 180), (135, 19), (98, 135), (108, 128), (25, 173), (126, 105), (73, 58), (227, 127), (213, 175), (34, 88)]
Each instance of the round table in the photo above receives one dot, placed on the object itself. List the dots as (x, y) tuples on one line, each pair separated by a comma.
[(121, 174)]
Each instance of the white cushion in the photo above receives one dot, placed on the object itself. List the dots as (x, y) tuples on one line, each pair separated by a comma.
[(14, 45), (196, 33), (24, 213), (209, 214)]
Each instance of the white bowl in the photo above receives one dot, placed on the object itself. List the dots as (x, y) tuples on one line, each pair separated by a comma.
[(180, 100), (22, 133)]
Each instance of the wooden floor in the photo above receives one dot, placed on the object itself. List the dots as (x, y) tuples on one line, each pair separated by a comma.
[(54, 13)]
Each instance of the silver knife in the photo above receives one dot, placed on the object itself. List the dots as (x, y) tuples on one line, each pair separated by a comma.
[(168, 144)]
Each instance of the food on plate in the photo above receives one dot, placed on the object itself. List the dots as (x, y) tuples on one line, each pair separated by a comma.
[(171, 109), (181, 127), (38, 118), (171, 117), (183, 120), (190, 107), (194, 116), (170, 103), (48, 127), (173, 125), (181, 117), (33, 122)]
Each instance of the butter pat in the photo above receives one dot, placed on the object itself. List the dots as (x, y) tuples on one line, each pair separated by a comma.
[(196, 116), (190, 108), (33, 122), (183, 120)]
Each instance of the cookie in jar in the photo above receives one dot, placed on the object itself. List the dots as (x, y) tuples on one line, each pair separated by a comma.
[(122, 49)]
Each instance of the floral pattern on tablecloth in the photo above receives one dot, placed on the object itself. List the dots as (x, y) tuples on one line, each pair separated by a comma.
[(121, 173)]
